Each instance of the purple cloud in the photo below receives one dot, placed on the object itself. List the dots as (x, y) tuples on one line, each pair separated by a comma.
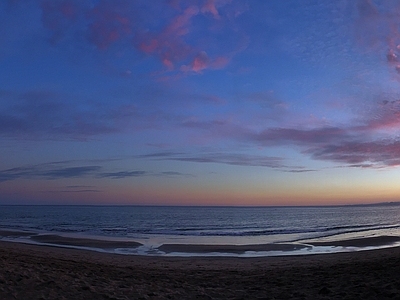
[(110, 22), (69, 169), (313, 136), (70, 172), (48, 171), (361, 154), (378, 29), (123, 174), (228, 159), (39, 114)]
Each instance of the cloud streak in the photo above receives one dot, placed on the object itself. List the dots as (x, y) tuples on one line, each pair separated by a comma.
[(44, 114), (234, 159), (48, 171), (123, 174), (64, 170)]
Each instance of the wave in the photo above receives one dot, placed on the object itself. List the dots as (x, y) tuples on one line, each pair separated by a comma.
[(326, 231)]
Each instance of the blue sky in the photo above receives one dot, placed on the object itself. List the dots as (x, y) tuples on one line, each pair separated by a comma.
[(203, 102)]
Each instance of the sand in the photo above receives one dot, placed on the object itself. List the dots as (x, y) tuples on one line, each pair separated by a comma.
[(41, 272)]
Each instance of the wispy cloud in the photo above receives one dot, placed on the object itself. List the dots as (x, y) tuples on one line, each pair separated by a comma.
[(174, 173), (79, 189), (172, 38), (302, 136), (361, 154), (70, 172), (44, 114), (72, 169), (236, 159), (371, 144), (377, 28), (123, 174), (73, 191), (48, 171)]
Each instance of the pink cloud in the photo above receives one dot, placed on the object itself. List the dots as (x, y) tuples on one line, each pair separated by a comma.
[(332, 144), (209, 7), (220, 62), (168, 63), (149, 47), (173, 39), (384, 117), (169, 44), (109, 24), (356, 146), (179, 25), (201, 62), (372, 154), (378, 29)]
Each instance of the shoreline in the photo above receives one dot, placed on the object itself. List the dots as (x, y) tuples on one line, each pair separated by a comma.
[(33, 271), (132, 247)]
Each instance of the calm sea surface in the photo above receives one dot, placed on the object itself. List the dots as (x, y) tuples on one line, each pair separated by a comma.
[(153, 226)]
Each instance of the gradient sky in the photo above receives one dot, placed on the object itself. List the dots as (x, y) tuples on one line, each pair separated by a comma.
[(199, 102)]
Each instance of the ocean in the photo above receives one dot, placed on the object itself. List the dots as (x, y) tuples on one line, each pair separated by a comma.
[(205, 231)]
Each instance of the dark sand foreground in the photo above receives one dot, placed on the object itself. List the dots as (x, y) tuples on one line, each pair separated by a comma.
[(39, 272)]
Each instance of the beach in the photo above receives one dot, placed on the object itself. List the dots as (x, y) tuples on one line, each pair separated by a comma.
[(42, 272)]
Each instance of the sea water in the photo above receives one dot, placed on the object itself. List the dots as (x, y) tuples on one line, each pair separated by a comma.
[(153, 226)]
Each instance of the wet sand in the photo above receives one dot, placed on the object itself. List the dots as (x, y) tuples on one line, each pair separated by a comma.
[(232, 249), (40, 272), (374, 241), (83, 242)]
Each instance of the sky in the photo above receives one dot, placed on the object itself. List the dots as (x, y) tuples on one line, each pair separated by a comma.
[(199, 102)]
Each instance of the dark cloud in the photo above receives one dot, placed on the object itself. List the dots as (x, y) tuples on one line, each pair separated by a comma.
[(235, 159), (47, 171), (42, 114), (70, 172), (161, 155), (15, 173), (79, 186), (74, 191), (172, 173), (195, 123), (61, 170), (221, 158), (123, 174), (175, 174), (300, 170), (127, 174)]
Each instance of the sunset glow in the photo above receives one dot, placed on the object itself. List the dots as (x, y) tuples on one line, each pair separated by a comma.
[(199, 102)]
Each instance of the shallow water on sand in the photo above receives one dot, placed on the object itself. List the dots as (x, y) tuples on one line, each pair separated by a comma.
[(163, 230)]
